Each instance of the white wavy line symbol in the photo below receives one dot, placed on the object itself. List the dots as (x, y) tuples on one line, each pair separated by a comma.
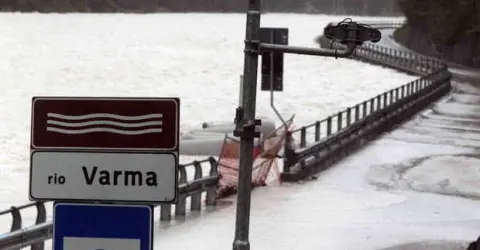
[(97, 122), (104, 115)]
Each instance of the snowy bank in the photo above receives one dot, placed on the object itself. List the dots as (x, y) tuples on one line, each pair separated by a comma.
[(431, 245), (457, 175)]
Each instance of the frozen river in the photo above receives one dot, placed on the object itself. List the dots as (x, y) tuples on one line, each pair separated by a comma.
[(198, 57)]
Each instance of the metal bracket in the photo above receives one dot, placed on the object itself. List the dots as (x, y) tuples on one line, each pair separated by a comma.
[(249, 130), (238, 115), (252, 46), (246, 129)]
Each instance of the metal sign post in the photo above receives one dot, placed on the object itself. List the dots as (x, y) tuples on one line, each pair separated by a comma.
[(349, 33), (91, 150), (240, 93), (246, 124)]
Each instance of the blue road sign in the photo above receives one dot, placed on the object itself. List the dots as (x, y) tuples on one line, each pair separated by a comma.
[(102, 227)]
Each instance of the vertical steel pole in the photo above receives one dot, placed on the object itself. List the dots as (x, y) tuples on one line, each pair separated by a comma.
[(252, 37), (240, 92)]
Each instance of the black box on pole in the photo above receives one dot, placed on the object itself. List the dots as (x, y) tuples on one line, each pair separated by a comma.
[(272, 62)]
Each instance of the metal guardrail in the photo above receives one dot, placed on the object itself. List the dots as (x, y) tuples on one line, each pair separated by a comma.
[(319, 136), (15, 212), (194, 189), (16, 231), (200, 183), (34, 237)]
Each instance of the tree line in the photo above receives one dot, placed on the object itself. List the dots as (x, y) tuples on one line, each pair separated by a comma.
[(443, 28), (445, 20), (352, 7)]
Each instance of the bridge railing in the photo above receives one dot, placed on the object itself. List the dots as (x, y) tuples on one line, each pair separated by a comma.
[(325, 141), (194, 187), (15, 213), (17, 222)]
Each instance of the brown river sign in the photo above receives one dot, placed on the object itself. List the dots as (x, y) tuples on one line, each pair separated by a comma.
[(104, 149)]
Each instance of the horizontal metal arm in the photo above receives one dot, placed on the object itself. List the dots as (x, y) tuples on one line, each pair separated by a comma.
[(269, 47)]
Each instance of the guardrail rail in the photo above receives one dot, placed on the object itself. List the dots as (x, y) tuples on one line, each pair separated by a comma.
[(34, 236), (343, 132)]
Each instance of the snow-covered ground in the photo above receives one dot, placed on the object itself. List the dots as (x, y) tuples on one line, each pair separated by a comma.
[(449, 174), (143, 56), (345, 209), (454, 122), (197, 57)]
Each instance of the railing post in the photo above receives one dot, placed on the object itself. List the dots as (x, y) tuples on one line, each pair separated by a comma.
[(180, 207), (357, 113), (41, 217), (41, 213), (16, 219), (417, 61), (391, 59), (349, 114), (424, 64), (196, 198), (408, 60), (405, 61), (303, 137), (211, 198), (290, 157), (364, 109), (317, 131), (379, 102), (329, 125), (372, 105), (339, 121), (413, 59), (402, 60), (165, 212)]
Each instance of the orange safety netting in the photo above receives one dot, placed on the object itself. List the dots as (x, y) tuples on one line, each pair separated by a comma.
[(265, 160)]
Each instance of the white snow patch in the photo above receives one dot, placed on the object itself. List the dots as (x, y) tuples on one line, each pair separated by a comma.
[(458, 109), (467, 98), (431, 138), (451, 175), (455, 175)]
